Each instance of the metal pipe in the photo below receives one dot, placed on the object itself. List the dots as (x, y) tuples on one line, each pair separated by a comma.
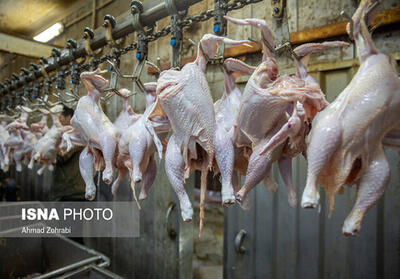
[(152, 11), (70, 267), (99, 259), (100, 272), (155, 11)]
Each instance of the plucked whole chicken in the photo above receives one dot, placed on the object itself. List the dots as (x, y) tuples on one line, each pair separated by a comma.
[(345, 145), (185, 98), (21, 140), (263, 122), (138, 143), (230, 160), (97, 133), (47, 147), (127, 116), (40, 128), (4, 151)]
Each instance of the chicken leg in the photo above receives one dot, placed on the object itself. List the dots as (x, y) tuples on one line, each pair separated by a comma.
[(86, 164), (175, 169), (369, 190), (148, 178)]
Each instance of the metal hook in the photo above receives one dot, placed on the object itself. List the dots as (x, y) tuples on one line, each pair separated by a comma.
[(220, 28), (376, 26), (267, 44), (158, 69), (12, 111), (137, 72), (372, 7), (72, 95), (88, 35), (284, 46), (43, 62), (69, 101), (49, 104), (193, 43), (109, 24), (176, 32), (115, 73), (287, 47), (350, 20), (135, 75), (255, 41), (159, 63)]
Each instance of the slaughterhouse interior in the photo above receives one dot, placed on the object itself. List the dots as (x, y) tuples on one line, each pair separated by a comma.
[(199, 139)]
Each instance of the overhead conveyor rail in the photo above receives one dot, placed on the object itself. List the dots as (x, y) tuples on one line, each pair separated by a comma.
[(142, 18), (152, 11)]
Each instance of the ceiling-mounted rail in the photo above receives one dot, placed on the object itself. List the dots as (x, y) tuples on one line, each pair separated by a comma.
[(152, 11)]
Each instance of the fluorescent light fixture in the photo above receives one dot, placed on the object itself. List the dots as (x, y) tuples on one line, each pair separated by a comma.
[(49, 33)]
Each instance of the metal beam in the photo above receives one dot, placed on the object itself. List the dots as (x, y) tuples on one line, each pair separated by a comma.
[(24, 47)]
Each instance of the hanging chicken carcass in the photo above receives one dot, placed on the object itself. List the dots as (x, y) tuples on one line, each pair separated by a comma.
[(40, 128), (4, 151), (264, 123), (21, 140), (47, 147), (230, 159), (138, 143), (185, 98), (127, 116), (345, 142), (96, 131)]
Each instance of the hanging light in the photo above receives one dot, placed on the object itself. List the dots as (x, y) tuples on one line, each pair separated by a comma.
[(49, 33)]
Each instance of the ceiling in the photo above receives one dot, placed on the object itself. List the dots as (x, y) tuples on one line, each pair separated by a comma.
[(26, 18)]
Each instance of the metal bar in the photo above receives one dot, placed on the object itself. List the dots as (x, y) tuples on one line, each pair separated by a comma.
[(99, 259), (84, 270), (152, 11), (69, 267)]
